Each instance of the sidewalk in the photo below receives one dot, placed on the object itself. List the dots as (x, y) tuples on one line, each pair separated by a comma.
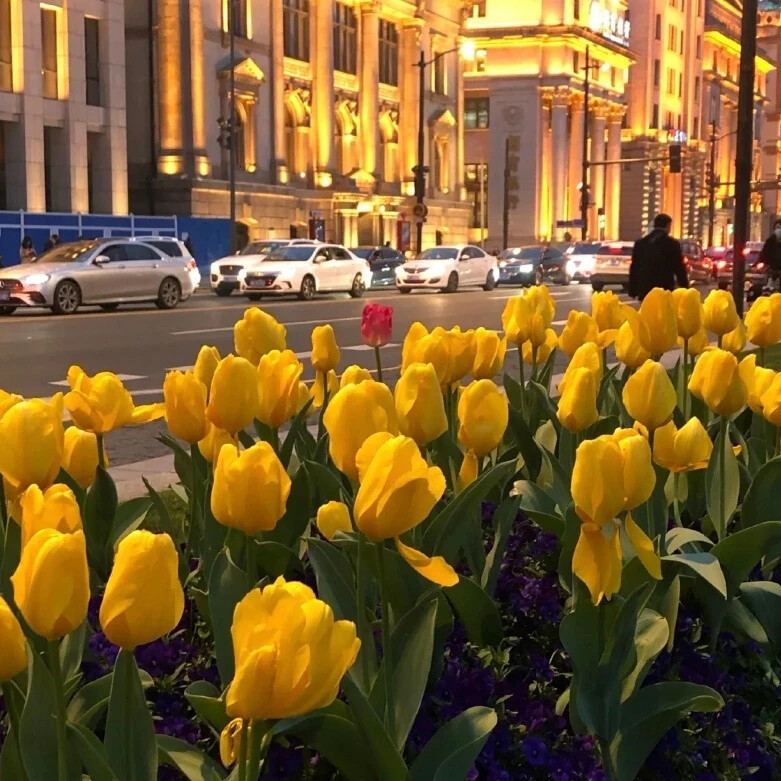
[(159, 472)]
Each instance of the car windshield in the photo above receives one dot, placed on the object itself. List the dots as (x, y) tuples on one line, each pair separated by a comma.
[(260, 247), (296, 254), (68, 253), (439, 253), (522, 253), (364, 252), (584, 249)]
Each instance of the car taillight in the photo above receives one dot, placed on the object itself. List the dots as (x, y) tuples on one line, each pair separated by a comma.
[(759, 266), (746, 250), (191, 265), (721, 264)]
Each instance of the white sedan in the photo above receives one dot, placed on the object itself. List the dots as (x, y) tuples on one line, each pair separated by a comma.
[(447, 269), (305, 270)]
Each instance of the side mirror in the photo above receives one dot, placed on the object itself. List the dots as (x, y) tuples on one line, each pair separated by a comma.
[(101, 260)]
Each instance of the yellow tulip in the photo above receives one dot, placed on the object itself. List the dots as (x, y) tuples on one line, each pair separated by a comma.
[(14, 657), (31, 444), (771, 402), (580, 328), (757, 380), (51, 583), (251, 488), (490, 350), (763, 321), (206, 364), (353, 415), (8, 400), (290, 654), (333, 517), (578, 403), (516, 320), (543, 351), (638, 474), (587, 356), (416, 332), (278, 376), (629, 350), (596, 560), (258, 333), (682, 450), (720, 315), (233, 402), (316, 393), (212, 443), (353, 375), (658, 322), (597, 480), (230, 742), (55, 508), (716, 380), (452, 353), (80, 456), (144, 599), (541, 303), (735, 341), (688, 311), (420, 407), (468, 472), (325, 351), (607, 310), (185, 406), (698, 343), (483, 415), (649, 395)]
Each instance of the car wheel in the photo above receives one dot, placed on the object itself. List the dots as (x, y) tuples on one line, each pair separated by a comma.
[(566, 280), (67, 298), (254, 296), (7, 310), (223, 292), (538, 277), (308, 288), (358, 288), (490, 283), (452, 283), (597, 287), (404, 290), (109, 307), (169, 295)]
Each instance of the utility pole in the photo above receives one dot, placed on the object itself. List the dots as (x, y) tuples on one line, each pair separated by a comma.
[(745, 145), (420, 171), (506, 205), (584, 191), (232, 126), (712, 184), (483, 182)]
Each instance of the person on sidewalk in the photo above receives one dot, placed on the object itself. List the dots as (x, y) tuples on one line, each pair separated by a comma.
[(27, 253), (657, 261)]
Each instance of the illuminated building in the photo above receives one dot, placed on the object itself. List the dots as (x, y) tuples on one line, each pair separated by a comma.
[(62, 106), (527, 85), (769, 30), (326, 99)]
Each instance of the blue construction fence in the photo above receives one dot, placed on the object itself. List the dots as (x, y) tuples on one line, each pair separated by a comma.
[(209, 236)]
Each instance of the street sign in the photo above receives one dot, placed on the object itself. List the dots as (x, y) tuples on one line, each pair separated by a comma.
[(569, 223), (420, 210)]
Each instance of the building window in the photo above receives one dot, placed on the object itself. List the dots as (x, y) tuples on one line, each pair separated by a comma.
[(696, 87), (680, 85), (241, 17), (576, 62), (655, 116), (92, 60), (389, 53), (657, 68), (295, 22), (476, 183), (658, 27), (476, 112), (49, 52), (699, 47), (438, 74), (6, 81), (345, 33), (696, 128), (576, 10), (680, 46), (478, 9), (441, 178)]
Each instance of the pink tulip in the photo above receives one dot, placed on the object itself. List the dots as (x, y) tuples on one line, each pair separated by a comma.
[(376, 324)]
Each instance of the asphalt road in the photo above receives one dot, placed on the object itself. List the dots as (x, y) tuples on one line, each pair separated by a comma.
[(141, 343)]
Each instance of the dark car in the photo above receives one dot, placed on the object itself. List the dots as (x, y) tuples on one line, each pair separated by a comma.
[(756, 270), (532, 266), (383, 262), (698, 264)]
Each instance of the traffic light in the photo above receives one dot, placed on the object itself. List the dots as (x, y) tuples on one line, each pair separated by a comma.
[(675, 158)]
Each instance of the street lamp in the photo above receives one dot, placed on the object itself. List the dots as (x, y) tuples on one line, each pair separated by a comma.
[(228, 126), (467, 50)]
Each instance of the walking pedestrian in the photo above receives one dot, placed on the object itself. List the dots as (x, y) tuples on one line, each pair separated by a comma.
[(51, 242), (657, 261), (27, 253)]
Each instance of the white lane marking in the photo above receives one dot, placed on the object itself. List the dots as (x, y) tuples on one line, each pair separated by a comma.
[(321, 321), (123, 377)]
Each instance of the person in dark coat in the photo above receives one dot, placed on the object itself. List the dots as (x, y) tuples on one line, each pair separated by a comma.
[(771, 251), (657, 261)]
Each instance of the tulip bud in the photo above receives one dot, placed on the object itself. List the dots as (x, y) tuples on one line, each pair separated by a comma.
[(698, 343), (206, 364), (771, 402), (13, 659), (353, 375), (639, 478), (376, 325), (763, 321), (80, 456), (55, 508), (598, 480), (649, 396), (658, 324), (720, 314), (325, 352), (470, 467), (757, 380), (543, 351), (607, 310), (684, 449), (587, 356), (578, 403), (51, 583), (490, 350), (230, 742), (716, 381), (317, 393), (483, 415), (688, 311), (541, 303), (420, 407), (258, 333), (279, 374), (8, 400), (516, 320), (629, 350), (212, 443), (185, 406), (735, 341), (333, 517), (580, 328), (144, 599), (233, 402), (250, 490), (416, 332)]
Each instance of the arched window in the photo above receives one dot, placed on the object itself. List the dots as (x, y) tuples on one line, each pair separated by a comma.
[(242, 17), (441, 167), (290, 141), (345, 137)]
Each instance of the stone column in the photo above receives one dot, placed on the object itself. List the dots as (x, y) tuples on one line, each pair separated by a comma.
[(544, 226), (597, 172), (200, 159), (323, 93), (613, 173), (409, 42), (278, 164), (559, 150), (460, 188), (574, 174), (169, 73), (369, 82)]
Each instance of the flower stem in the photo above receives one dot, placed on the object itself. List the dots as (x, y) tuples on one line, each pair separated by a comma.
[(3, 507), (607, 760), (244, 738), (523, 383), (720, 340), (252, 562), (379, 363), (259, 740), (59, 694), (723, 469), (101, 451), (534, 362), (13, 711), (387, 654), (676, 506), (361, 608), (761, 356), (685, 379), (778, 442)]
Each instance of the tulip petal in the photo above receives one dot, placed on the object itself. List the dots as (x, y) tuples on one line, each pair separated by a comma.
[(597, 562), (644, 548), (147, 413), (433, 568)]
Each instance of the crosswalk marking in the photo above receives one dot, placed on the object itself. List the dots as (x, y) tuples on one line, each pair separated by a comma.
[(123, 377)]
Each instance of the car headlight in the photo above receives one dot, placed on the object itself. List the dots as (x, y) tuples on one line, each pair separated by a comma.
[(525, 268), (502, 263), (571, 268), (35, 279), (242, 274)]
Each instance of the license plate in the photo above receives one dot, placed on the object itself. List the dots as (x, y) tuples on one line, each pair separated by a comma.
[(615, 262), (414, 278), (5, 295), (230, 278)]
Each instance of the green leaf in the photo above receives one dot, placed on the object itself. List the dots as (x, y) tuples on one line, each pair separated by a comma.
[(166, 524), (647, 716), (10, 762), (740, 552), (298, 513), (450, 754), (703, 565), (524, 438), (37, 725), (326, 485), (227, 587), (130, 732), (91, 700), (650, 639), (764, 600), (129, 517), (763, 498), (740, 620), (90, 751), (100, 509), (11, 553), (680, 536), (72, 650), (540, 507), (335, 580), (568, 542), (276, 559), (504, 519), (722, 498), (297, 425), (192, 763), (205, 700), (478, 612)]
